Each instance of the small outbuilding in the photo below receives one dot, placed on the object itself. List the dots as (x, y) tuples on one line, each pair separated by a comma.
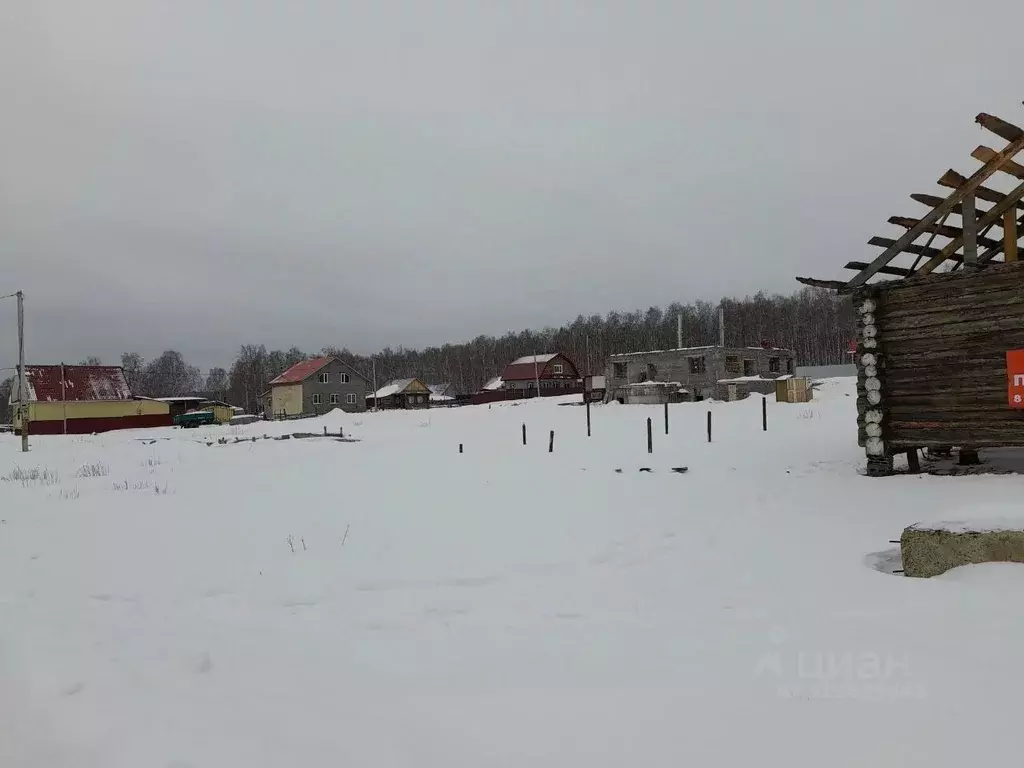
[(402, 394), (81, 399)]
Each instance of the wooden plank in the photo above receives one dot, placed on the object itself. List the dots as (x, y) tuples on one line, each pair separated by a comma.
[(886, 270), (991, 217), (976, 180), (1010, 236), (922, 250), (834, 285), (985, 154), (991, 253), (953, 179), (970, 231), (940, 229), (1004, 130)]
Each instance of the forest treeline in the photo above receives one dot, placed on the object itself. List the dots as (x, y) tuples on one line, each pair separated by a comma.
[(818, 324)]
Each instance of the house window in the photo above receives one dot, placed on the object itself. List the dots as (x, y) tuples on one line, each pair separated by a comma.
[(344, 378), (697, 365), (619, 370), (749, 369), (318, 399), (732, 364), (334, 398), (350, 398), (324, 378), (556, 368), (774, 365)]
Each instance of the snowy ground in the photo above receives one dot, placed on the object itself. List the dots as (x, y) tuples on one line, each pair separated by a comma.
[(503, 607)]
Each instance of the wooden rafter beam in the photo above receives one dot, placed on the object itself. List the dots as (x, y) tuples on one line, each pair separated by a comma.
[(886, 270), (992, 217), (976, 180), (985, 154), (834, 285), (920, 250), (933, 200), (952, 179), (1004, 130), (940, 229)]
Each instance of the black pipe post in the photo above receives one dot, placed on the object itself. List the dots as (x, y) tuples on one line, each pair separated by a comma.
[(764, 413), (460, 447), (650, 441), (551, 442), (588, 417), (524, 434), (666, 417), (709, 426)]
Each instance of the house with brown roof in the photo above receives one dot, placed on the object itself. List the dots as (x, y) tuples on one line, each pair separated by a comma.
[(401, 393), (553, 373), (317, 385), (81, 399)]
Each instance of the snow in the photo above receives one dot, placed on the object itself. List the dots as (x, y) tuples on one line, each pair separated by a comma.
[(532, 358), (313, 602), (992, 524), (493, 384)]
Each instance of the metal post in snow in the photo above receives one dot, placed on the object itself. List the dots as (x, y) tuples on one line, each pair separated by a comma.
[(551, 442), (709, 426), (666, 417), (650, 440), (524, 433), (588, 417), (764, 413), (22, 378)]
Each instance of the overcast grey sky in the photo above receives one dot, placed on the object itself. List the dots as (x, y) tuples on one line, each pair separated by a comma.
[(199, 174)]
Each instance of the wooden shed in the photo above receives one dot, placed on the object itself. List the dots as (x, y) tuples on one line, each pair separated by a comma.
[(940, 349), (793, 389)]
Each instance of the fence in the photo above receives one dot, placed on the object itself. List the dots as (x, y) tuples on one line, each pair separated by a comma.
[(501, 395)]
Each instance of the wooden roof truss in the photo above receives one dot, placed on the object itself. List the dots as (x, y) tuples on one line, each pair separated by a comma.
[(983, 234)]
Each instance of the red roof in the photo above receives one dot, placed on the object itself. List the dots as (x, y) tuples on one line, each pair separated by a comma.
[(524, 369), (302, 371), (80, 382)]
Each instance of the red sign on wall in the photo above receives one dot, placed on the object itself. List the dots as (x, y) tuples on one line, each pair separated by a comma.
[(1015, 377)]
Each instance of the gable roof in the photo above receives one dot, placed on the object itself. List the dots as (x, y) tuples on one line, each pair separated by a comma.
[(395, 387), (303, 369), (79, 383), (524, 368), (958, 245)]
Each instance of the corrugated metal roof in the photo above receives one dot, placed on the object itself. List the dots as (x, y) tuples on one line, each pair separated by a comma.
[(302, 370), (79, 383)]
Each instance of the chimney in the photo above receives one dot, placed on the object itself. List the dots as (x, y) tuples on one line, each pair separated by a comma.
[(721, 325), (679, 331)]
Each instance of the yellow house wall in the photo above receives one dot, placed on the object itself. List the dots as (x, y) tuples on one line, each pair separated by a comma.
[(91, 409), (287, 399)]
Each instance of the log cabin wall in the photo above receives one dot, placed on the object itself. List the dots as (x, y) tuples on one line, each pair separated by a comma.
[(931, 361)]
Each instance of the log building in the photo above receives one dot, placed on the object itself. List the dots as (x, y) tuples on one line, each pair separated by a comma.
[(940, 328)]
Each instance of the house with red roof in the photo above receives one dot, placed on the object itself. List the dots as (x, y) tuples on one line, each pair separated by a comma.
[(550, 374), (82, 399), (315, 386)]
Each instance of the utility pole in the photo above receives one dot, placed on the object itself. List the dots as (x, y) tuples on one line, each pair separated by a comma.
[(374, 383), (22, 380)]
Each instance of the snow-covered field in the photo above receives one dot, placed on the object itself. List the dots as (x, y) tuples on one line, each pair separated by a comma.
[(390, 602)]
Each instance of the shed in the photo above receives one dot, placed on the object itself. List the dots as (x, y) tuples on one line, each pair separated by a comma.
[(793, 389), (940, 347), (77, 399)]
